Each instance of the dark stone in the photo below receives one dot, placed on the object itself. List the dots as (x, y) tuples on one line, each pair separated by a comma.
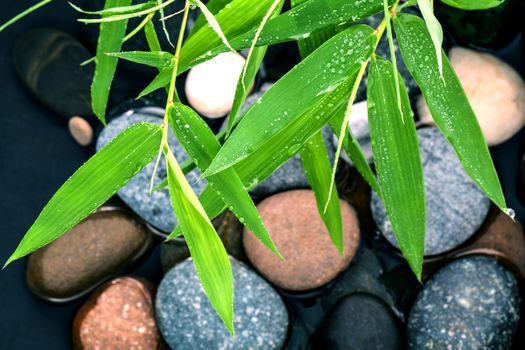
[(120, 315), (187, 320), (104, 244), (48, 63), (455, 206), (292, 218), (472, 303), (360, 322), (155, 208)]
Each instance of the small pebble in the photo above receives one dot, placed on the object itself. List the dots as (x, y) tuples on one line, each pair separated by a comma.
[(187, 320), (300, 235), (495, 90), (455, 206), (472, 303), (80, 130), (210, 86), (120, 315)]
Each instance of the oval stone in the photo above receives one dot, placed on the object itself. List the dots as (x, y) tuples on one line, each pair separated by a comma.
[(300, 235), (472, 303), (187, 320), (103, 244), (120, 315), (455, 206)]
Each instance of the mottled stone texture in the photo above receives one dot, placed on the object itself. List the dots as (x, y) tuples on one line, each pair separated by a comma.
[(187, 320), (472, 303), (155, 208), (120, 315), (103, 244), (455, 206), (293, 222)]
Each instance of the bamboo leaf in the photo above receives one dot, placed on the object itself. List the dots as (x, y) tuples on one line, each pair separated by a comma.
[(109, 40), (397, 160), (164, 27), (122, 17), (151, 37), (92, 185), (473, 4), (212, 21), (434, 29), (200, 143), (448, 104), (161, 80), (214, 6), (157, 59), (273, 113), (24, 13), (209, 255), (117, 10)]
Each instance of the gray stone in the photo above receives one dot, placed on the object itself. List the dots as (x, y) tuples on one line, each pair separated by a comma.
[(155, 208), (472, 303), (187, 320), (455, 206)]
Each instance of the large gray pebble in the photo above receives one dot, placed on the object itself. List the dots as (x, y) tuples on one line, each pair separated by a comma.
[(455, 206), (187, 320), (472, 303), (155, 208)]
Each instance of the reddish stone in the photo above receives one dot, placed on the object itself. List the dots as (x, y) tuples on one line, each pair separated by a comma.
[(300, 235)]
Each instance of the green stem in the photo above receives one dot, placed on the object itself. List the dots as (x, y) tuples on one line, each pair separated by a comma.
[(24, 13)]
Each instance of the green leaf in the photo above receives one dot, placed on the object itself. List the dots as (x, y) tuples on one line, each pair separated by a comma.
[(448, 104), (118, 10), (24, 13), (163, 20), (209, 255), (214, 6), (160, 81), (151, 37), (109, 40), (212, 21), (121, 17), (158, 59), (92, 185), (397, 160), (473, 4), (434, 29), (295, 93), (200, 143)]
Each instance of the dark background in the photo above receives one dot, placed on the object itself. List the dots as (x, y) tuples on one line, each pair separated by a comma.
[(37, 155)]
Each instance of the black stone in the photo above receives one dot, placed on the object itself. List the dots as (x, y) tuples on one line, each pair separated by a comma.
[(48, 63)]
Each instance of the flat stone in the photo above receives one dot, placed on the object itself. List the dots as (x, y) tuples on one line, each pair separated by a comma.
[(455, 206), (495, 90), (155, 208), (120, 315), (187, 320), (104, 244), (360, 321), (48, 61), (472, 303), (293, 221)]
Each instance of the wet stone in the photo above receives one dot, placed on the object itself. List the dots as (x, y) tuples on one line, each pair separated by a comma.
[(472, 303), (48, 63), (120, 315), (293, 221), (155, 208), (102, 245), (456, 207), (187, 320), (360, 321)]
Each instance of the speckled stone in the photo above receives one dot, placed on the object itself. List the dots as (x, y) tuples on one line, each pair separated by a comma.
[(472, 303), (293, 222), (187, 320), (291, 174), (456, 207), (155, 208), (102, 245), (495, 90), (120, 315), (361, 322)]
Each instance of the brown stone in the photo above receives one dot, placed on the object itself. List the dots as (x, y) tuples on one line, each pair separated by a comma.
[(80, 130), (103, 244), (300, 235), (120, 315)]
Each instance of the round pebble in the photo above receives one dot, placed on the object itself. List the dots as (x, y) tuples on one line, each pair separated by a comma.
[(155, 208), (80, 130), (455, 206), (210, 86), (187, 320), (495, 90), (472, 303), (300, 235), (120, 315)]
